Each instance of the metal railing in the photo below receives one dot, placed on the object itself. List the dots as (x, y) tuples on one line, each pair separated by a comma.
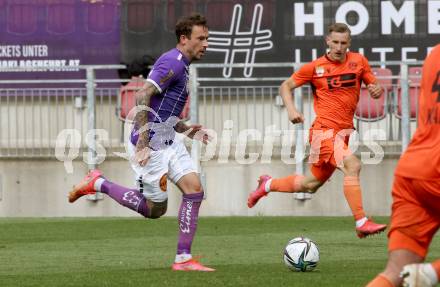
[(34, 117), (35, 114), (254, 103)]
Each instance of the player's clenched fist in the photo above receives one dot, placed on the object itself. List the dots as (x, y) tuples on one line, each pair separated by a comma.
[(142, 154), (296, 117), (375, 90)]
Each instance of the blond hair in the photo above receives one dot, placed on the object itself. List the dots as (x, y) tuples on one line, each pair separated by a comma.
[(339, 28)]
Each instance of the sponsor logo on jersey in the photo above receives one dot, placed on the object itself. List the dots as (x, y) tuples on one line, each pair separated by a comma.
[(167, 77), (319, 71), (344, 80), (352, 65)]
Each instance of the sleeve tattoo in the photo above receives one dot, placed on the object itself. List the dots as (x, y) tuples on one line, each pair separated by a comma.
[(143, 97)]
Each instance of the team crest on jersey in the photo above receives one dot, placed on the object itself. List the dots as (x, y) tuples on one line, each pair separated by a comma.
[(352, 66), (167, 77), (319, 71)]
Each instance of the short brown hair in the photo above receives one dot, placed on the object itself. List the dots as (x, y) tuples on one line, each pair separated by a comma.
[(184, 25), (339, 28)]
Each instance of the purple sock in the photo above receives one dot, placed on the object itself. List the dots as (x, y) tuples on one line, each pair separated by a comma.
[(188, 216), (130, 198)]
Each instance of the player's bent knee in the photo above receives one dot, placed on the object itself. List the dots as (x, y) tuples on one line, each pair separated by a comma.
[(190, 184), (157, 209), (198, 188), (193, 188), (312, 187), (154, 216)]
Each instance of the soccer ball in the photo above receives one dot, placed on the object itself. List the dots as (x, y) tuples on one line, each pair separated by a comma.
[(301, 254)]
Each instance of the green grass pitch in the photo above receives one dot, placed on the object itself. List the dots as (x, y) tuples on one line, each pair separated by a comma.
[(246, 251)]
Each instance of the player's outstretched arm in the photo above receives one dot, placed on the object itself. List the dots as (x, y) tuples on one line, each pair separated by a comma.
[(195, 131), (286, 89)]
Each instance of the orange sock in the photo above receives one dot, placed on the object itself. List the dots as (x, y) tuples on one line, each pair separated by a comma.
[(292, 183), (436, 266), (380, 281), (353, 195)]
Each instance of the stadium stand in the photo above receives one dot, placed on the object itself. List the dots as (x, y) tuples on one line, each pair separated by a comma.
[(219, 14), (22, 17), (140, 16), (369, 109), (101, 17), (414, 77), (61, 17), (175, 9)]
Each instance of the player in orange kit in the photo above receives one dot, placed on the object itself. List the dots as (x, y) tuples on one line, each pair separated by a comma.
[(336, 81), (415, 214)]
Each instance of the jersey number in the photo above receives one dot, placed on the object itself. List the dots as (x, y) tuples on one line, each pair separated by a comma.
[(436, 86)]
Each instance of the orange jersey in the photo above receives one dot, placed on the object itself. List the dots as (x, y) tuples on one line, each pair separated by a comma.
[(422, 158), (335, 87)]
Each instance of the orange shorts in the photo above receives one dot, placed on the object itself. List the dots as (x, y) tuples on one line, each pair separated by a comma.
[(415, 216), (328, 147)]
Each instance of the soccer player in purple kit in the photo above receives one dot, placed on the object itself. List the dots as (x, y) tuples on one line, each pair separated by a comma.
[(156, 152)]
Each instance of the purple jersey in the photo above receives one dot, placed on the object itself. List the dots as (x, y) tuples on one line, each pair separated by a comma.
[(170, 75)]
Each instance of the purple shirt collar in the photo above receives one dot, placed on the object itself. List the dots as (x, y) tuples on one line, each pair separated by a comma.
[(185, 59)]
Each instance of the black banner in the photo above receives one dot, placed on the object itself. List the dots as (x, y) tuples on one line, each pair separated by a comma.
[(246, 32), (289, 31)]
